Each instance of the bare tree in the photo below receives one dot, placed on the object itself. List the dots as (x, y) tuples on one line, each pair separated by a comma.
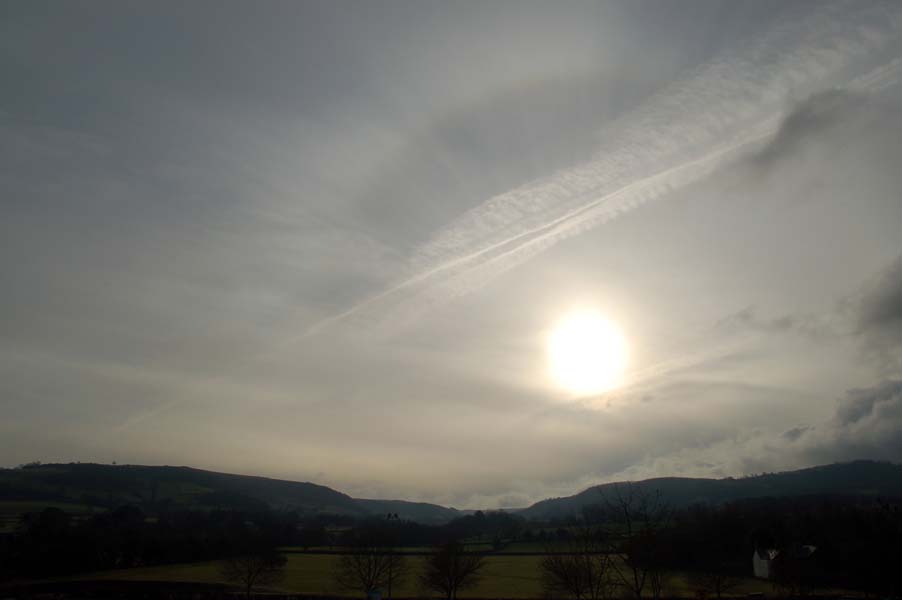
[(450, 569), (369, 565), (582, 571), (254, 569), (793, 570), (714, 582), (638, 517)]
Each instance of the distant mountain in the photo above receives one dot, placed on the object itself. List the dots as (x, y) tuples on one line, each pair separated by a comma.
[(87, 487), (859, 478), (155, 488)]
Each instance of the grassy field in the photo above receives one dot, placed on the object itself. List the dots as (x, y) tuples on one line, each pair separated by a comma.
[(504, 577)]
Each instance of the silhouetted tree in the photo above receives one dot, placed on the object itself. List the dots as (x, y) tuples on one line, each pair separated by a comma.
[(715, 582), (261, 567), (450, 569), (583, 571), (794, 572), (713, 545), (372, 562), (314, 535), (638, 517)]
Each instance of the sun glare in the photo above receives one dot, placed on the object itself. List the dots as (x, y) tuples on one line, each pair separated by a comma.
[(587, 353)]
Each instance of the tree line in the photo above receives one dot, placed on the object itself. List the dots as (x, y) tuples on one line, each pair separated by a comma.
[(53, 542), (630, 542), (625, 545)]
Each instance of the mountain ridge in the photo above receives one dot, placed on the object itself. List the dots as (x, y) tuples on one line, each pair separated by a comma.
[(861, 478), (164, 487), (158, 487)]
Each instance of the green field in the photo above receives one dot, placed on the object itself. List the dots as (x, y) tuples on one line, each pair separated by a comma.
[(504, 577)]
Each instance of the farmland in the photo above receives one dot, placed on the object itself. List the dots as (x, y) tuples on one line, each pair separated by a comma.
[(505, 576), (62, 526)]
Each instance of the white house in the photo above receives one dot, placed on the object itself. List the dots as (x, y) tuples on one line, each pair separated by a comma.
[(763, 562)]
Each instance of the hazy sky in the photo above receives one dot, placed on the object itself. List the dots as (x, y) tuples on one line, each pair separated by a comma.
[(328, 240)]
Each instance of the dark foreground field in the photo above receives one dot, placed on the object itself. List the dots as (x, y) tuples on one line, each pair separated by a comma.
[(87, 550), (310, 575)]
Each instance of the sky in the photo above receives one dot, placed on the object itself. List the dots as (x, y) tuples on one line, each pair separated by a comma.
[(329, 241)]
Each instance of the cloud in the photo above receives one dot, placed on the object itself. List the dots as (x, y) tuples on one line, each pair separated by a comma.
[(678, 137), (818, 113), (881, 308), (749, 319), (878, 315), (867, 423), (872, 316), (795, 433), (861, 405), (169, 228)]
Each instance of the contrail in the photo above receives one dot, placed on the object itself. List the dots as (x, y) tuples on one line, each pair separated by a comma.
[(680, 136)]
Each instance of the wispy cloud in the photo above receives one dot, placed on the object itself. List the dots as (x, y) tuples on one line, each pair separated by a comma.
[(684, 133), (867, 423)]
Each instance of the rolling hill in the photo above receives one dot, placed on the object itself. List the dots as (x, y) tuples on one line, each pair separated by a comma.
[(859, 478), (84, 487), (154, 488), (422, 512)]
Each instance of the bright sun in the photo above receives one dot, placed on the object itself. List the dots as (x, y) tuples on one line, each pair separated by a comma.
[(587, 353)]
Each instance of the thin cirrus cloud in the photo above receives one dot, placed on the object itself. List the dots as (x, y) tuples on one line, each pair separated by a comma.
[(684, 133), (180, 208)]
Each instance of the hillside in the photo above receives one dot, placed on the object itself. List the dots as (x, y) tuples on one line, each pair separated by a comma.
[(78, 487), (859, 478), (422, 512), (155, 488)]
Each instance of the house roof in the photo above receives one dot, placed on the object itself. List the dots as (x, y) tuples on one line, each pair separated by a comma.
[(800, 551), (767, 553)]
